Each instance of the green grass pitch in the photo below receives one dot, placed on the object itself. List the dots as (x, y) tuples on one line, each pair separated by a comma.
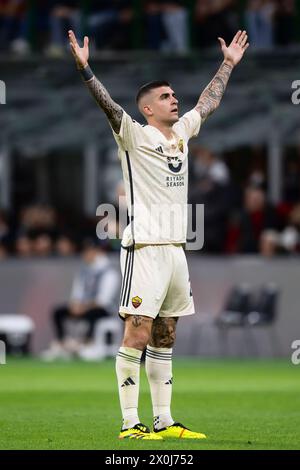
[(238, 404)]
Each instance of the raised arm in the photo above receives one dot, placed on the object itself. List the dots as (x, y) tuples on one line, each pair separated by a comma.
[(213, 93), (113, 111)]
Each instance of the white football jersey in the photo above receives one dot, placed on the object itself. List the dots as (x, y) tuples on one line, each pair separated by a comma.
[(155, 172)]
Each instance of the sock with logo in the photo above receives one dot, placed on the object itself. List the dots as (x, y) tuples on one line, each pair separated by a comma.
[(128, 374), (159, 372)]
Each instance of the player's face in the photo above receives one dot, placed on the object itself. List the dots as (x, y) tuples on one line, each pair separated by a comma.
[(164, 105)]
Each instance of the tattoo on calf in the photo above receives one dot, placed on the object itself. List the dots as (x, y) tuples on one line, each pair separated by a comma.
[(163, 332)]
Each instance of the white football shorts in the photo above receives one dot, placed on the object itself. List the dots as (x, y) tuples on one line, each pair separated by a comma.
[(155, 281)]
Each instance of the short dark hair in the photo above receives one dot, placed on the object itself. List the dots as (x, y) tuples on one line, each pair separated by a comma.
[(150, 86)]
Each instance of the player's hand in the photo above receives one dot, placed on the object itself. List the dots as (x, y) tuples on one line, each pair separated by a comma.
[(81, 54), (235, 51)]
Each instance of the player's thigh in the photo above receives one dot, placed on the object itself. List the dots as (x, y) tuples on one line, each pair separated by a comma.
[(137, 331), (179, 299), (145, 281), (163, 332)]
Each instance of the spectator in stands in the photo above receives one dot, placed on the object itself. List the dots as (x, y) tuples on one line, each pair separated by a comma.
[(154, 30), (269, 243), (63, 15), (215, 18), (291, 180), (256, 216), (23, 246), (3, 251), (175, 23), (207, 164), (93, 296), (211, 188), (285, 22), (14, 25), (5, 233), (290, 237), (65, 245), (259, 17), (42, 244), (38, 218), (37, 231), (109, 22)]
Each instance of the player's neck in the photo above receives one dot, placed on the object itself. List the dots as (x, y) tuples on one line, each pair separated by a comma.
[(165, 129)]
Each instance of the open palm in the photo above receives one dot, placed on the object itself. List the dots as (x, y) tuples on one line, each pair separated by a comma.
[(235, 51), (81, 54)]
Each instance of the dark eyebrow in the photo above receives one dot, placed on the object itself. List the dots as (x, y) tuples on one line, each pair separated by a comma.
[(165, 95)]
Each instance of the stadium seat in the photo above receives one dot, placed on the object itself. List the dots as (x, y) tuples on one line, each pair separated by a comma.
[(16, 331), (236, 307), (263, 313), (247, 310), (234, 331), (234, 315), (263, 306)]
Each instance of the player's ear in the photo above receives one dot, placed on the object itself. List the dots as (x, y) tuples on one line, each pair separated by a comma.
[(147, 110)]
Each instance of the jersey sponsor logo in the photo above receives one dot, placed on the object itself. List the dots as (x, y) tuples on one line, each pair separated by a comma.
[(172, 181), (136, 301), (178, 164), (175, 169), (159, 149)]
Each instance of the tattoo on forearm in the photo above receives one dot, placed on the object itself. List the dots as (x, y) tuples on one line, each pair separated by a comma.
[(163, 332), (213, 93), (113, 111)]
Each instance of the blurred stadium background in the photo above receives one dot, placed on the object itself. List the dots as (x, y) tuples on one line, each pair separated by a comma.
[(58, 162)]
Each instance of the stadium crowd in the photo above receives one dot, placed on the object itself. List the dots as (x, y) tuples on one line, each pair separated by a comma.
[(239, 218), (40, 231), (165, 25)]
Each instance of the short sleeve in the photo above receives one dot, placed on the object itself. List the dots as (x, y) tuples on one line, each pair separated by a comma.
[(188, 125), (130, 133)]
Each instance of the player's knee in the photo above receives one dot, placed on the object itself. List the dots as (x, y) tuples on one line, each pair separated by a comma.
[(136, 341)]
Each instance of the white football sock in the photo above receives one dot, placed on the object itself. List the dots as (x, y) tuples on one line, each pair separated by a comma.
[(128, 374), (159, 373)]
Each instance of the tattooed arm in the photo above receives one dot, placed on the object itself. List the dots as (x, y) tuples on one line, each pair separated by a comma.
[(213, 93), (113, 111)]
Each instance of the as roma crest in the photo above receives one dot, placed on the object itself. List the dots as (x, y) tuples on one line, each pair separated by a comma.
[(136, 301), (180, 145)]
